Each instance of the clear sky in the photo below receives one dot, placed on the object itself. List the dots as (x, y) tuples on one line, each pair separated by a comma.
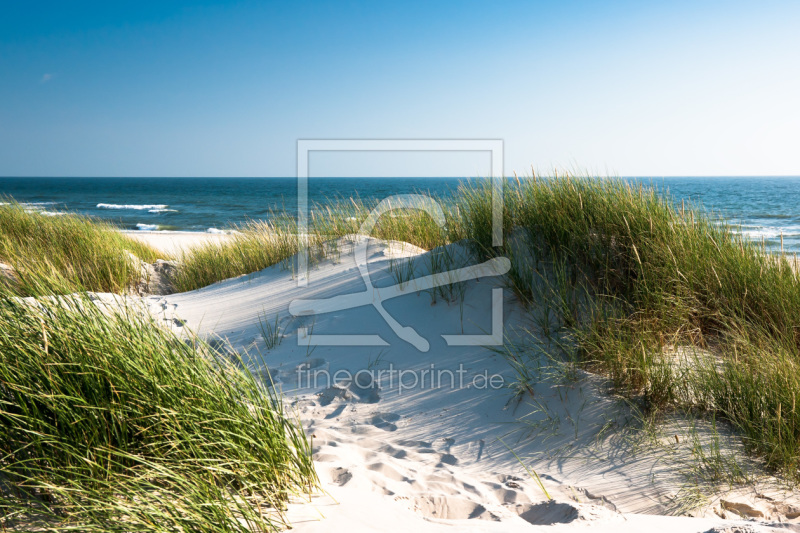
[(226, 88)]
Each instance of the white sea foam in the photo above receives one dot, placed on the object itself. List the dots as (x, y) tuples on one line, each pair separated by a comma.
[(217, 231), (44, 212), (138, 207), (29, 206), (147, 227), (757, 232), (161, 210), (35, 204)]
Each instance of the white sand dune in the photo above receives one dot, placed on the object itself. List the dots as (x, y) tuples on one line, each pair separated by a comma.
[(395, 456)]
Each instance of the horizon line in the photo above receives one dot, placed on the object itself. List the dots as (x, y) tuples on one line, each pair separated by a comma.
[(524, 176)]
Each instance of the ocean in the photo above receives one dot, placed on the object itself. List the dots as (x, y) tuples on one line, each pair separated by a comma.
[(763, 207)]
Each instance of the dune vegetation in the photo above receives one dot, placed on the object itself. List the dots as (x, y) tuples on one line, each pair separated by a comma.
[(76, 251), (110, 422), (113, 422), (677, 308), (253, 247), (260, 244)]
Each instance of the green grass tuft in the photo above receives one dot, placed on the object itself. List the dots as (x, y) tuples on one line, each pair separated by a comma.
[(634, 280), (110, 423), (82, 253)]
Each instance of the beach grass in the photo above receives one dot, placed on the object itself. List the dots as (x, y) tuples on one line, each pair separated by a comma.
[(676, 307), (85, 254), (682, 312), (109, 422), (253, 247), (259, 244), (410, 219)]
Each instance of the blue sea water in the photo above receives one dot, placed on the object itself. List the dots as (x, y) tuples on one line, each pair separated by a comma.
[(197, 204), (763, 207)]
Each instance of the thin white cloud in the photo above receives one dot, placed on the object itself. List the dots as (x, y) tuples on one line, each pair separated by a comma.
[(47, 77)]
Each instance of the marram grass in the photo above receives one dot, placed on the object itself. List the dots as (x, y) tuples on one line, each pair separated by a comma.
[(253, 247), (635, 281), (678, 310), (625, 279), (84, 253), (259, 244), (111, 423)]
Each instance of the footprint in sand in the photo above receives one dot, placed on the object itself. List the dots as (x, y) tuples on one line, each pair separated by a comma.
[(420, 446), (304, 372), (552, 512), (447, 459), (340, 475), (510, 481), (387, 472), (349, 391), (222, 348), (448, 508), (406, 443), (315, 363), (548, 513), (391, 451), (322, 457), (582, 495), (177, 322), (507, 495), (385, 421), (336, 412)]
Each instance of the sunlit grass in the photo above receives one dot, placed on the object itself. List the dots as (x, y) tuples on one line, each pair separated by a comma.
[(260, 244), (84, 253), (679, 310), (109, 422), (660, 277), (627, 276)]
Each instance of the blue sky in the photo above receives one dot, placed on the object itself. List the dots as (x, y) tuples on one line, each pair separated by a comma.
[(226, 88)]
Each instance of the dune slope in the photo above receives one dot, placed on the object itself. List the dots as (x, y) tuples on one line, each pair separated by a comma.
[(407, 439)]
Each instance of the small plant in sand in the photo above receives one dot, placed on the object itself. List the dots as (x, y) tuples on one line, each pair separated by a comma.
[(442, 261), (374, 363), (270, 331), (402, 270), (531, 472)]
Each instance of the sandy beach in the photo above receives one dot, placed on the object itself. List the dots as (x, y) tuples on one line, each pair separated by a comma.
[(411, 440), (173, 242)]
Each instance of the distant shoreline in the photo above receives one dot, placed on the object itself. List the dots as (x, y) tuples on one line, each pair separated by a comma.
[(756, 207), (174, 242)]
